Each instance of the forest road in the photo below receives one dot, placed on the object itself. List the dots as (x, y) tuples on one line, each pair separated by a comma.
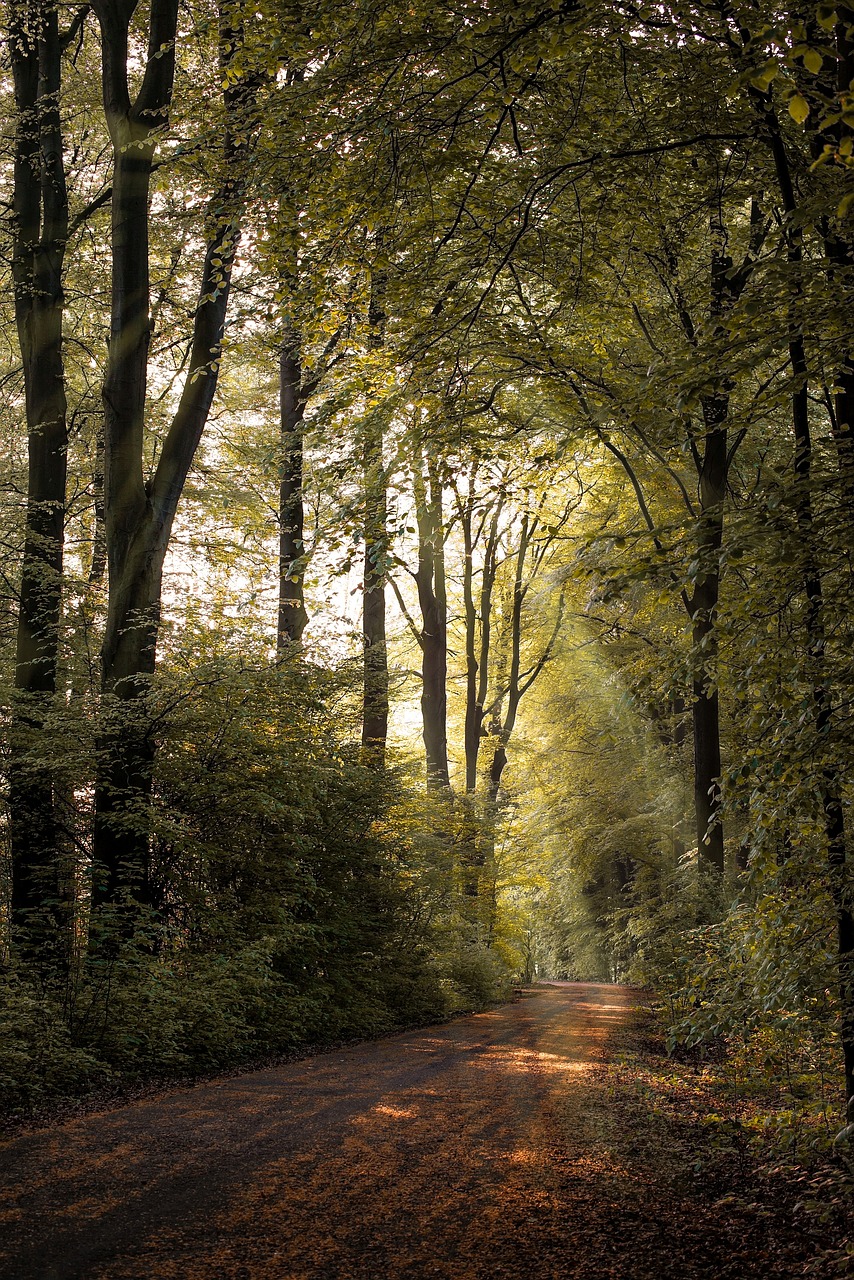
[(488, 1147)]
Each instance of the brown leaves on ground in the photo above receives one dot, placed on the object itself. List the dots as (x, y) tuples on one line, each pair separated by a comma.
[(542, 1140)]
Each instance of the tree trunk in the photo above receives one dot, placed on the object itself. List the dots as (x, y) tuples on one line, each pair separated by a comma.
[(830, 785), (375, 693), (40, 229), (139, 515), (292, 611), (713, 472), (474, 709), (375, 678), (840, 255), (477, 654), (503, 726), (430, 580), (831, 782), (704, 603)]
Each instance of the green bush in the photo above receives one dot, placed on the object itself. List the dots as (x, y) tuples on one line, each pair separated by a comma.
[(38, 1056)]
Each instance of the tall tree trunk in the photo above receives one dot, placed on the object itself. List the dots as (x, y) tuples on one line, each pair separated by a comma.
[(830, 784), (841, 255), (139, 515), (474, 712), (504, 726), (376, 684), (375, 696), (134, 542), (40, 230), (293, 616), (483, 874), (705, 708), (430, 579), (477, 618), (713, 472)]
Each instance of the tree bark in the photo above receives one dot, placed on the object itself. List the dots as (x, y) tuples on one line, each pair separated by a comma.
[(293, 616), (376, 685), (713, 470), (375, 696), (477, 653), (830, 781), (474, 711), (705, 708), (432, 598), (841, 256), (40, 230), (504, 726), (139, 515)]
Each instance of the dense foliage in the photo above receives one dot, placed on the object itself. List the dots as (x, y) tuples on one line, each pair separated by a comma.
[(483, 374)]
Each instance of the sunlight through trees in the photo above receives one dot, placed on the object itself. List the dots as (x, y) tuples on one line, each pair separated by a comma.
[(426, 511)]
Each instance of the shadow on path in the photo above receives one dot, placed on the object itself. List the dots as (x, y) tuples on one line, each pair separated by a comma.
[(484, 1148)]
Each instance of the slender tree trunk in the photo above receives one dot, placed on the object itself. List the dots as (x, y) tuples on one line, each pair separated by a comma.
[(831, 782), (375, 697), (293, 616), (98, 563), (376, 694), (432, 598), (40, 230), (474, 711), (515, 690), (713, 473), (478, 626), (831, 788), (704, 603), (477, 654), (504, 725), (841, 254)]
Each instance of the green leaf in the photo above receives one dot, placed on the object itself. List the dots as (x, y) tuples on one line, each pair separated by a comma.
[(799, 108)]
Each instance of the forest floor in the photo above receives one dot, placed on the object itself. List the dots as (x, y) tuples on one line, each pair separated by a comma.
[(545, 1139)]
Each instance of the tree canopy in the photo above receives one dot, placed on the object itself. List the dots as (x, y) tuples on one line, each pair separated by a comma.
[(427, 507)]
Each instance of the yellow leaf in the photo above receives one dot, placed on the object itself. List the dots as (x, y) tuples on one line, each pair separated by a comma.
[(798, 108), (845, 205), (813, 61), (765, 76)]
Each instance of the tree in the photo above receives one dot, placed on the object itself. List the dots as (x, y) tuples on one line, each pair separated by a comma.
[(40, 235), (433, 602), (292, 613), (140, 513), (375, 685)]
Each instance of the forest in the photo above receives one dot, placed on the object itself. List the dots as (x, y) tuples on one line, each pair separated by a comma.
[(426, 517)]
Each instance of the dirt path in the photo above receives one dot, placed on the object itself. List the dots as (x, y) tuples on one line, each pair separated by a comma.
[(486, 1148)]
